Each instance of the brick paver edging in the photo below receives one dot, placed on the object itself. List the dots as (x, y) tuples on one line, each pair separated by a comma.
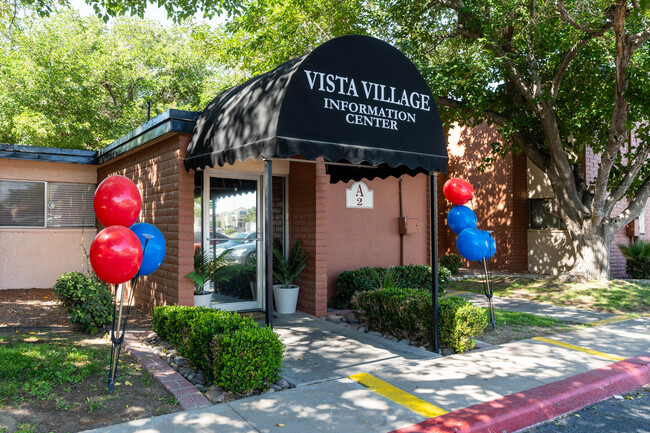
[(188, 396), (524, 409)]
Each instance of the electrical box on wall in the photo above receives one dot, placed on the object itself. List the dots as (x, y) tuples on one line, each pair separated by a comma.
[(632, 229), (408, 225)]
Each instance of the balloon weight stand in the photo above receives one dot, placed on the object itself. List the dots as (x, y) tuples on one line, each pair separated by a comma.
[(118, 329), (487, 289)]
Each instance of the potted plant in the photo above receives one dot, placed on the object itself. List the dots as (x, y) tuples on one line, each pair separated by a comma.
[(206, 270), (285, 271)]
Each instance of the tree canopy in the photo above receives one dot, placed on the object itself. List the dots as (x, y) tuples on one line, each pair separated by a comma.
[(83, 83), (559, 79)]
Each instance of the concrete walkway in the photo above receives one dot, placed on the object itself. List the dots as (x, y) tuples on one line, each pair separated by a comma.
[(405, 385), (567, 314)]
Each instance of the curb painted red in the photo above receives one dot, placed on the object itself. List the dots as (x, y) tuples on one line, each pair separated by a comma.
[(515, 412), (188, 396)]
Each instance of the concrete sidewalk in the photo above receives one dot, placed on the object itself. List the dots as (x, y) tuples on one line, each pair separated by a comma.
[(403, 385)]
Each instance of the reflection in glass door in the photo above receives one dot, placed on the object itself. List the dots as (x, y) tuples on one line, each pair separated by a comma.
[(231, 234)]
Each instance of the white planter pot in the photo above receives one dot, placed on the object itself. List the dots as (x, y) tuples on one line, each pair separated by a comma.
[(286, 298), (203, 300)]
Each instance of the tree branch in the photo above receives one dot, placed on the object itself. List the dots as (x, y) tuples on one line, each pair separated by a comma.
[(564, 15), (617, 132), (110, 91), (634, 208), (571, 54), (639, 161), (639, 38), (493, 116), (536, 81)]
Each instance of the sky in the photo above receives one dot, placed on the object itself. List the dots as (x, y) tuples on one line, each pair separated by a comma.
[(153, 12)]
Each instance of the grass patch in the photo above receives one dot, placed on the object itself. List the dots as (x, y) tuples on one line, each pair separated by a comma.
[(614, 296), (32, 366), (513, 318)]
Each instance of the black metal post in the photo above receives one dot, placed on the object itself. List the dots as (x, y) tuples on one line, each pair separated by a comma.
[(267, 235), (434, 261)]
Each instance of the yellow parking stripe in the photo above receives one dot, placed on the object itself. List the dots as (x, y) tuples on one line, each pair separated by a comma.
[(579, 349), (455, 293), (615, 319), (400, 397)]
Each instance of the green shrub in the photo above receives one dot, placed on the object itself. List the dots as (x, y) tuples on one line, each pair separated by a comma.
[(452, 262), (638, 268), (202, 330), (171, 323), (86, 300), (460, 321), (349, 283), (246, 359), (191, 329), (637, 249), (407, 313)]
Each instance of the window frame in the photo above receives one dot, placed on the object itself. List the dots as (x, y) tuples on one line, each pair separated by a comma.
[(559, 224), (44, 183), (46, 210)]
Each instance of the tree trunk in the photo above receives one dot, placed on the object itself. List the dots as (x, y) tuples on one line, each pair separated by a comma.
[(592, 250)]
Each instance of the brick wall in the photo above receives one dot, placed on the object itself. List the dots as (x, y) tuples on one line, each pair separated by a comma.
[(308, 222), (499, 196), (278, 208), (516, 260), (167, 203)]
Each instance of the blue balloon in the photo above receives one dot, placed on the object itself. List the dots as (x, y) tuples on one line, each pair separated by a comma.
[(472, 244), (460, 218), (154, 251), (490, 242)]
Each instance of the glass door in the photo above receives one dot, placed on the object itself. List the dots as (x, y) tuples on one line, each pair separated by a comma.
[(231, 233)]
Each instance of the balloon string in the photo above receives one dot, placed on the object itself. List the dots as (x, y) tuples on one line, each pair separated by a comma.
[(117, 341)]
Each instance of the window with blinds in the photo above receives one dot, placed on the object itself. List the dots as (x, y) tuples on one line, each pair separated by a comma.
[(46, 204), (22, 204), (70, 205)]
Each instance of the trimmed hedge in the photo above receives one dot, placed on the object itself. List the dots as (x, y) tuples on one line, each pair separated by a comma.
[(246, 359), (86, 300), (214, 340), (638, 268), (407, 313), (452, 262), (191, 330), (349, 283)]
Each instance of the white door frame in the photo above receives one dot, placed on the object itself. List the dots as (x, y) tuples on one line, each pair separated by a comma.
[(205, 200)]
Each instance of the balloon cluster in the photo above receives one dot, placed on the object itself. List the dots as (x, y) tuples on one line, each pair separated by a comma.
[(472, 244), (118, 253)]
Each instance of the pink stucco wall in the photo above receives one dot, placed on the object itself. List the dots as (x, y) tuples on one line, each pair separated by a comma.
[(36, 257), (370, 237)]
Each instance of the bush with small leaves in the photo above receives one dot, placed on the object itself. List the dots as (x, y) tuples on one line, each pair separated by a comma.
[(86, 300), (247, 359), (452, 262), (407, 313), (349, 283), (191, 329)]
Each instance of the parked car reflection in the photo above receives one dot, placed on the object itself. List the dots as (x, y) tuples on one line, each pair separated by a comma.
[(244, 254)]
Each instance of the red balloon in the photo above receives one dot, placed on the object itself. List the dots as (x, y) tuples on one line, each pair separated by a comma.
[(458, 191), (116, 254), (117, 202)]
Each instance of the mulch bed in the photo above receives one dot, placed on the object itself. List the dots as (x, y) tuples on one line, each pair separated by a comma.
[(40, 308)]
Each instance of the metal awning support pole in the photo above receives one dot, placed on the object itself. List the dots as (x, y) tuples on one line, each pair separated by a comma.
[(434, 260), (268, 238)]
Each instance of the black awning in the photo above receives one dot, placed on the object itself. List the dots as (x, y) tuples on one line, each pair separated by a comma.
[(354, 99)]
